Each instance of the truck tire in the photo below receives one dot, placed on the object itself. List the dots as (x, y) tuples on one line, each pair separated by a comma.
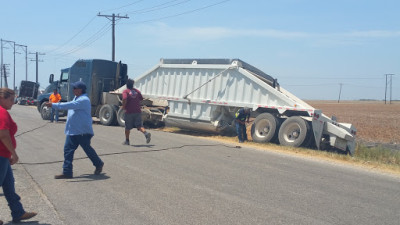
[(265, 128), (45, 111), (121, 117), (294, 132), (107, 115)]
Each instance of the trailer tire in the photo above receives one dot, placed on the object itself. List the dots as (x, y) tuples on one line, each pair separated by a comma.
[(121, 117), (45, 112), (265, 128), (294, 132), (107, 115)]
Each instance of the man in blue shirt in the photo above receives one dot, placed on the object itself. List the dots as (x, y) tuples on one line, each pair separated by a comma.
[(78, 130), (242, 116)]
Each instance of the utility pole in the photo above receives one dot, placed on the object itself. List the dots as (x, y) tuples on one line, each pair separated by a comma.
[(340, 91), (13, 45), (386, 84), (26, 59), (113, 16), (14, 69), (4, 71), (37, 64), (1, 65)]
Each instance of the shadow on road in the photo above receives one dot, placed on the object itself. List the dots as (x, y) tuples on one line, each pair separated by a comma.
[(89, 177)]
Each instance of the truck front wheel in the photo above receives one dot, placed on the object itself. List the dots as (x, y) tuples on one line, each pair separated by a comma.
[(107, 115), (45, 111), (294, 132)]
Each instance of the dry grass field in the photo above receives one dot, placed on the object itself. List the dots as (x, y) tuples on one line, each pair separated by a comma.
[(375, 121)]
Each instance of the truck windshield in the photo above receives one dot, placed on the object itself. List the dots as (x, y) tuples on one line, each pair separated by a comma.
[(64, 76)]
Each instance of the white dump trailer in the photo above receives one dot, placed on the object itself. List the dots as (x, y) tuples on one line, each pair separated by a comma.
[(205, 94)]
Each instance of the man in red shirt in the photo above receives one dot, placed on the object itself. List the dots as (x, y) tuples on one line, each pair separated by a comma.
[(8, 157), (131, 98)]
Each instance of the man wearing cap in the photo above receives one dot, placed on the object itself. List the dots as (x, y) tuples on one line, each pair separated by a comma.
[(242, 116), (78, 130)]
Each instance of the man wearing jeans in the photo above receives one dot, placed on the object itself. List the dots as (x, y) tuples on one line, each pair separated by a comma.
[(78, 130), (242, 116), (54, 98)]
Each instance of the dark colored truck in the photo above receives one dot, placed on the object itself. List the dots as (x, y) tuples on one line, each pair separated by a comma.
[(100, 77), (27, 93)]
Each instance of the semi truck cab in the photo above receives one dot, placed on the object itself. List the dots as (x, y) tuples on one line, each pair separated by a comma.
[(99, 76)]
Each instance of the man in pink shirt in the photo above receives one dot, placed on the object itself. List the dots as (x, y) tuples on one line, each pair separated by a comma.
[(131, 98)]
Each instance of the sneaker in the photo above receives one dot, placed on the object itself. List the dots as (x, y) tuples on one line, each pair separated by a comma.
[(148, 137), (62, 176), (125, 143), (26, 216), (98, 170)]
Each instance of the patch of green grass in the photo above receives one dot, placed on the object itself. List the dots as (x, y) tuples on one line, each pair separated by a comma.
[(378, 154)]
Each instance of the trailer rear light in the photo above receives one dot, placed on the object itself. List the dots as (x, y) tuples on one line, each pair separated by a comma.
[(316, 116)]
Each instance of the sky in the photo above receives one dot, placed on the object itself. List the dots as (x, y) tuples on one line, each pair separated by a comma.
[(317, 49)]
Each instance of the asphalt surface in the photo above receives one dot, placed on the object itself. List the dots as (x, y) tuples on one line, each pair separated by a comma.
[(179, 179)]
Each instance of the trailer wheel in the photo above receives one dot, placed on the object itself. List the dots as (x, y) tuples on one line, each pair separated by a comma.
[(264, 128), (294, 132), (45, 111), (107, 115), (121, 117)]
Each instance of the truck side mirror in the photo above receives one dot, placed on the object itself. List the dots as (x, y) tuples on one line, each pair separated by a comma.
[(51, 78)]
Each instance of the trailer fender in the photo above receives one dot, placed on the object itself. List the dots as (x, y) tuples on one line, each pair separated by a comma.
[(317, 127)]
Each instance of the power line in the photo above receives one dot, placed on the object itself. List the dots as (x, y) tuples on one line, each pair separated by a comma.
[(157, 7), (124, 6), (332, 78), (310, 85), (100, 33), (80, 31), (180, 14)]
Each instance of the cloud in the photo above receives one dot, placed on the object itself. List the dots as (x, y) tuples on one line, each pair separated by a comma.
[(183, 35), (371, 34)]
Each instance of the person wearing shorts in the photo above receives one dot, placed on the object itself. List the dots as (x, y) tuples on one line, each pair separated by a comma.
[(131, 98)]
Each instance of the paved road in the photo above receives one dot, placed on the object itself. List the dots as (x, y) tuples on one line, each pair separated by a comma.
[(178, 179)]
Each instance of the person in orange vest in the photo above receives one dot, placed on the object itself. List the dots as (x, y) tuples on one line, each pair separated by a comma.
[(54, 98)]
